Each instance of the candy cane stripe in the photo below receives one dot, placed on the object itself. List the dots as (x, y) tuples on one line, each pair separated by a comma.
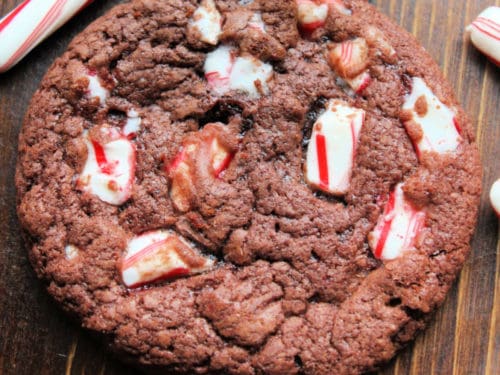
[(30, 23), (485, 28), (322, 160), (8, 19), (332, 147), (51, 15), (490, 23)]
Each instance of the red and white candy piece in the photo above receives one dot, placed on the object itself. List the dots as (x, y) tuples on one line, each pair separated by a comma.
[(30, 23), (206, 146), (208, 21), (397, 228), (332, 147), (132, 125), (312, 14), (110, 168), (485, 33), (350, 58), (360, 82), (225, 71), (432, 126), (160, 255), (495, 197)]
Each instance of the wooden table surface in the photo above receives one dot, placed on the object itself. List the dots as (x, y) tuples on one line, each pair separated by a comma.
[(464, 337)]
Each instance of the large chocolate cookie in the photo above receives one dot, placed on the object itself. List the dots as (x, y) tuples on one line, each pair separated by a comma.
[(248, 187)]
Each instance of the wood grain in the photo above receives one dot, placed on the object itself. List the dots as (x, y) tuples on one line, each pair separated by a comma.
[(463, 338)]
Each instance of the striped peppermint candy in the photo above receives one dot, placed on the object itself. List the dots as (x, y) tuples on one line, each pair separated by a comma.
[(397, 228), (160, 255), (332, 148), (109, 170), (30, 23), (485, 33)]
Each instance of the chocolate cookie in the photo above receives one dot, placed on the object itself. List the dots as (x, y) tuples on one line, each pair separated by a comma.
[(248, 187)]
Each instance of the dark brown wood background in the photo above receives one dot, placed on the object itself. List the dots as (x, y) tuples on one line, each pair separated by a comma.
[(464, 337)]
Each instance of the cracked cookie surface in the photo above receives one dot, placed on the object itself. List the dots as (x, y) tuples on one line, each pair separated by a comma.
[(178, 181)]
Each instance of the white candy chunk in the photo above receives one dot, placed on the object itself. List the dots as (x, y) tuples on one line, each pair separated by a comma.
[(437, 128), (311, 15), (218, 67), (95, 89), (208, 21), (332, 148), (397, 228), (225, 72), (251, 76), (256, 22), (245, 2), (485, 33), (133, 124), (160, 255), (71, 252), (109, 170), (495, 197)]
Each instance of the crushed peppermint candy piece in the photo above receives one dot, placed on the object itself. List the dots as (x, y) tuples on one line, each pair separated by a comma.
[(133, 124), (495, 197), (71, 252), (207, 145), (431, 125), (332, 148), (208, 21), (225, 72), (350, 58), (110, 168), (312, 14), (397, 228), (485, 33), (360, 82), (160, 255), (95, 89)]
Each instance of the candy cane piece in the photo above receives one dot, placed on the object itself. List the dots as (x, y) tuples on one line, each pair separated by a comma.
[(397, 228), (225, 71), (160, 255), (431, 125), (485, 33), (29, 24), (109, 170), (332, 147), (312, 14)]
